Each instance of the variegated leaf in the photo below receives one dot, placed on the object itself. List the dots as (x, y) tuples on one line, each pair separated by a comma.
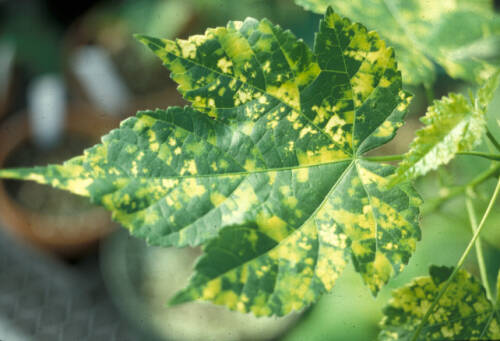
[(453, 125), (266, 168), (462, 313), (462, 36)]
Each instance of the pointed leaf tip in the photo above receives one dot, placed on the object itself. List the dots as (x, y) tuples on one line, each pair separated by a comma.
[(151, 42), (180, 298)]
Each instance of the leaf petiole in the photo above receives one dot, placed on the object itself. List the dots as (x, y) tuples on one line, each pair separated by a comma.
[(396, 157), (399, 157), (479, 247), (494, 157), (493, 140), (460, 262)]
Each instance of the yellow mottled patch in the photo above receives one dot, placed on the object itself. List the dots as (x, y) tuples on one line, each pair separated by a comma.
[(329, 266), (192, 187), (212, 289), (334, 121), (285, 190), (35, 177), (227, 298), (79, 186), (151, 218), (189, 167), (290, 202), (357, 226), (154, 146), (385, 130), (369, 177), (362, 85), (288, 93), (249, 164), (379, 272), (323, 155), (272, 177), (260, 306), (305, 77), (305, 131), (302, 175), (359, 249), (247, 127), (217, 198), (188, 49), (225, 65), (266, 67), (272, 226)]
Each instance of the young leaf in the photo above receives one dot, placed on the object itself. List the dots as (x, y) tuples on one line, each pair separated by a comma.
[(266, 170), (453, 125), (462, 36), (463, 313)]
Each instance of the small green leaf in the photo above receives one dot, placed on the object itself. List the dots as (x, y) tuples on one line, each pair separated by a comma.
[(463, 312), (462, 36), (452, 125), (266, 168)]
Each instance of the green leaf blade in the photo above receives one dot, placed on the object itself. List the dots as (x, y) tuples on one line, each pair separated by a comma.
[(362, 68), (459, 35), (266, 168), (463, 313), (452, 125), (378, 228)]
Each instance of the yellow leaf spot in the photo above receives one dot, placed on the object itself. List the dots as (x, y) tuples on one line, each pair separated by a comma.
[(273, 226), (217, 198), (79, 186), (302, 175), (212, 289), (225, 65)]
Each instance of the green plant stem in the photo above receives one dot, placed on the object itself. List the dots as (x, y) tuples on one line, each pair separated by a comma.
[(429, 93), (430, 206), (495, 157), (479, 247), (396, 157), (497, 303), (493, 140), (460, 262), (399, 157)]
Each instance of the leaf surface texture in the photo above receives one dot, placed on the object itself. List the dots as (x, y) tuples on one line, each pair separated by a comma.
[(462, 313), (266, 168), (462, 36)]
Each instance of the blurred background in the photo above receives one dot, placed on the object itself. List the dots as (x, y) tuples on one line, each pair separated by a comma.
[(69, 72)]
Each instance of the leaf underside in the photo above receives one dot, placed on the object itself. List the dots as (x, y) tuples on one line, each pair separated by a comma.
[(463, 313), (265, 169), (452, 125), (462, 36)]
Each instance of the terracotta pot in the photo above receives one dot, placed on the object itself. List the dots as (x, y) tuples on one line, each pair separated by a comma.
[(66, 235)]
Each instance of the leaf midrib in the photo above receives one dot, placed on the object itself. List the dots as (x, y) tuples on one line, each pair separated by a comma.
[(312, 216)]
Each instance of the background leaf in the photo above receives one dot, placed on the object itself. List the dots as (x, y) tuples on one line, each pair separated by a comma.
[(453, 125), (463, 313), (266, 168), (462, 36)]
